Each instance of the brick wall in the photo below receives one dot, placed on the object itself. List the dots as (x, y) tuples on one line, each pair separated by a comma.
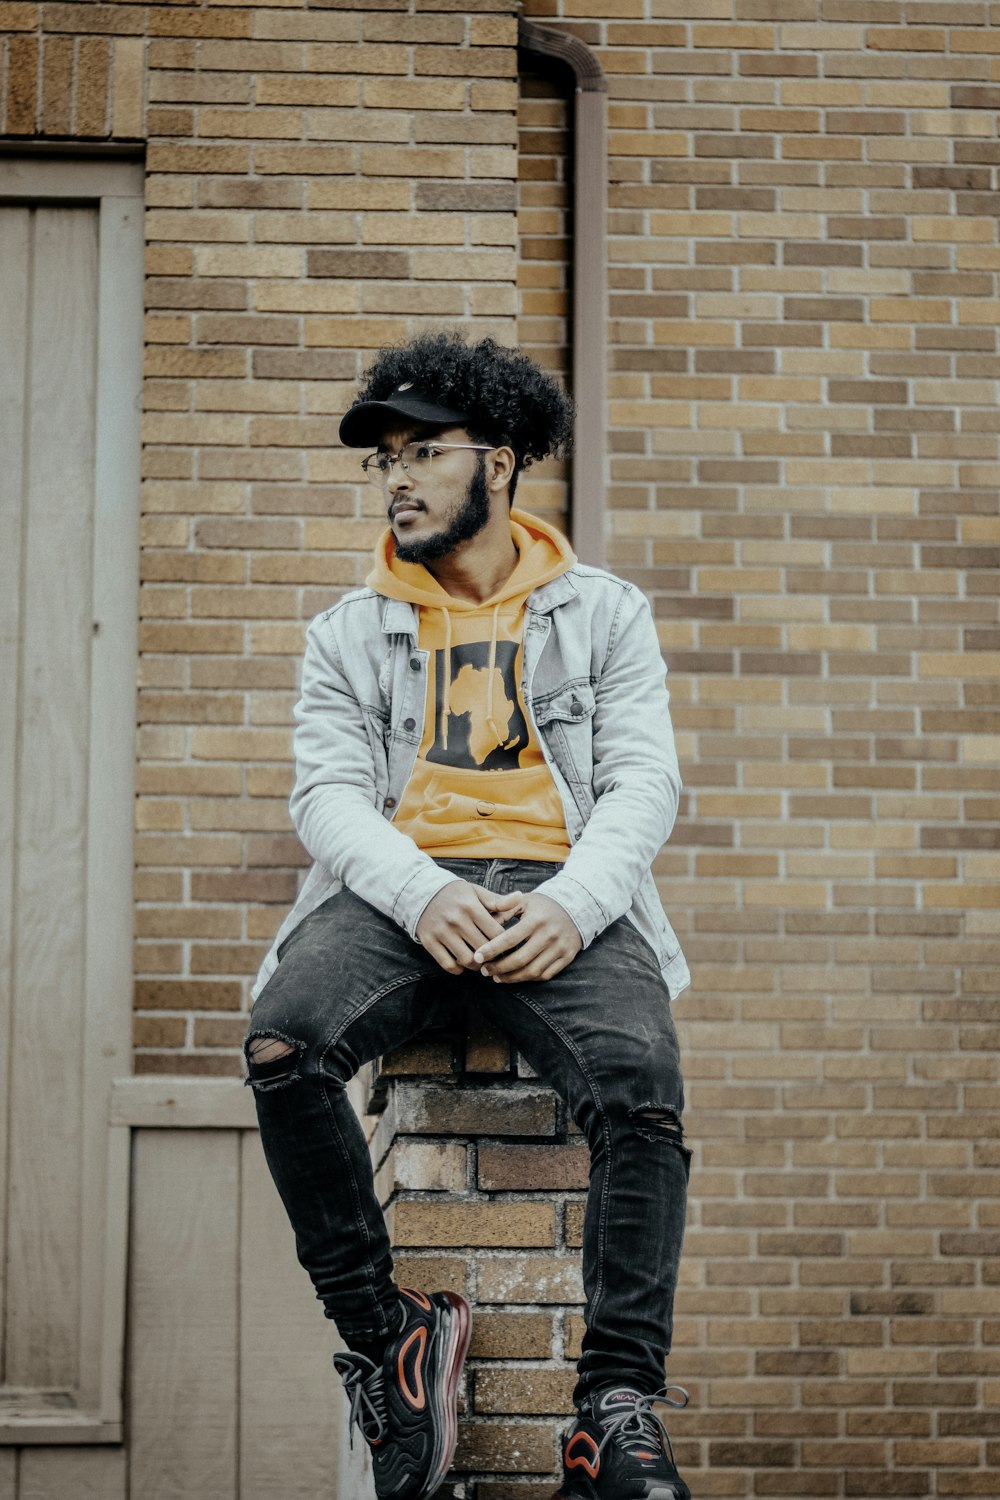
[(804, 476)]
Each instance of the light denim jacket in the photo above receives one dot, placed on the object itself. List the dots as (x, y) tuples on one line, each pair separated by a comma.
[(593, 683)]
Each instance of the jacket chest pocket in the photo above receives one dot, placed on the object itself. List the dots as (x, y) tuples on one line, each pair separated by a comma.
[(566, 721)]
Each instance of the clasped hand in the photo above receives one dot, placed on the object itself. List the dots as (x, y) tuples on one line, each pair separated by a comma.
[(512, 939)]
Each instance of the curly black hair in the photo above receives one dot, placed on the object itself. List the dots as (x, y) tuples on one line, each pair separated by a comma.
[(509, 400)]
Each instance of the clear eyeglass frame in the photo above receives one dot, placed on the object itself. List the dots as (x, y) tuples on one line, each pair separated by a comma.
[(416, 458)]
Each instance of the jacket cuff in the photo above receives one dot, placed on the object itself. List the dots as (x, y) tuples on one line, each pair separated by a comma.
[(413, 899), (585, 910)]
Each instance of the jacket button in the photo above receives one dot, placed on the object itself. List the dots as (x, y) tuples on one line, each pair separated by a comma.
[(389, 802), (576, 709), (486, 809), (414, 664), (409, 723)]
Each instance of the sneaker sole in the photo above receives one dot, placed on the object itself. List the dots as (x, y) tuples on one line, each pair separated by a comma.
[(456, 1334), (655, 1490)]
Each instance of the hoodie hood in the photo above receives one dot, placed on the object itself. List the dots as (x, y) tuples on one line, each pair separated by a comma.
[(543, 554)]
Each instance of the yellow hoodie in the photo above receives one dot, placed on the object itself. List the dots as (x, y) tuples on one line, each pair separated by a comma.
[(480, 787)]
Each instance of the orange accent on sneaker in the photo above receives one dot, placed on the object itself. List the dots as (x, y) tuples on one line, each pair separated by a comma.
[(418, 1297), (417, 1398), (640, 1454), (573, 1460)]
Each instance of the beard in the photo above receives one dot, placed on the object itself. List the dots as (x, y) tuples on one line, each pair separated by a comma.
[(466, 523)]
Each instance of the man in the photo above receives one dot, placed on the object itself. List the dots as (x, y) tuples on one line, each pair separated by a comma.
[(485, 770)]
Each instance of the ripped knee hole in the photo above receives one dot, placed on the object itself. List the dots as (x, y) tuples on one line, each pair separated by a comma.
[(658, 1123), (272, 1060)]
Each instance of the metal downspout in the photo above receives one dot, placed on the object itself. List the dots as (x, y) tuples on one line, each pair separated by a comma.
[(589, 472)]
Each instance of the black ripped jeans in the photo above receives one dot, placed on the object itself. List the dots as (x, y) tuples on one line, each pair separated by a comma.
[(352, 985)]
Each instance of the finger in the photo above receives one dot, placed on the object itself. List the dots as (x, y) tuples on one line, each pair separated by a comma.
[(490, 899), (442, 956), (511, 903), (557, 966), (460, 951), (506, 939), (453, 945), (481, 927), (526, 964), (535, 973), (534, 947)]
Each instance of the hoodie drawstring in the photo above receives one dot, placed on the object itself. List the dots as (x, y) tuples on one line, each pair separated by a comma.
[(489, 674), (446, 694), (446, 691)]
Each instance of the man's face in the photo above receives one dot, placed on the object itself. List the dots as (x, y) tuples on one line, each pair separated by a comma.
[(432, 511)]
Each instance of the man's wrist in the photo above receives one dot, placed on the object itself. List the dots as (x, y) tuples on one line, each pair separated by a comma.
[(417, 894), (586, 914)]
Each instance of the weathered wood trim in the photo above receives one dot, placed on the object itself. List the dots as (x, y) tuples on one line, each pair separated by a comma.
[(184, 1409), (14, 256), (193, 1103), (33, 178), (92, 1411), (35, 1416), (182, 1103)]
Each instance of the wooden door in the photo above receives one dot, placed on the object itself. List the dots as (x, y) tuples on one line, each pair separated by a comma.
[(70, 379)]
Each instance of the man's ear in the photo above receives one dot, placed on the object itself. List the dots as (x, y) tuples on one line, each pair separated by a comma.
[(502, 468)]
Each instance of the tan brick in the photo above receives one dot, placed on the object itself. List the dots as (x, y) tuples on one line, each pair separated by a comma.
[(508, 1112), (187, 922), (473, 1224), (531, 1391), (532, 1167), (477, 62), (505, 1448), (222, 1066), (493, 95), (529, 1278), (225, 958), (187, 994), (159, 1031), (283, 88), (304, 160), (511, 1336), (240, 745)]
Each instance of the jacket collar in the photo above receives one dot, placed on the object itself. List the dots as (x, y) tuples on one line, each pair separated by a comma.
[(560, 591), (402, 618)]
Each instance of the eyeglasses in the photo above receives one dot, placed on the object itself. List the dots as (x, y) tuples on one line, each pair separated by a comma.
[(416, 459)]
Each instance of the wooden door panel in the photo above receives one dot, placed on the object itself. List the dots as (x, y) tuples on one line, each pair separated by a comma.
[(70, 328), (53, 692), (183, 1318)]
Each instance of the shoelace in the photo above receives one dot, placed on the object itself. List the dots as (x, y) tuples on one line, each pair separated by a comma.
[(368, 1402), (640, 1424)]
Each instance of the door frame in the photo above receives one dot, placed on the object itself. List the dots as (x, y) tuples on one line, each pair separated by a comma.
[(92, 1412)]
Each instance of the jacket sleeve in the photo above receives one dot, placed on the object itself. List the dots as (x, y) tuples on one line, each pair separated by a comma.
[(636, 781), (333, 803)]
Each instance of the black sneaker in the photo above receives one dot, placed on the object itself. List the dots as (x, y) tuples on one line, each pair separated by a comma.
[(406, 1409), (619, 1449)]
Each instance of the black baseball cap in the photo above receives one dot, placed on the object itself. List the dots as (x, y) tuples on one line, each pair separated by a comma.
[(363, 425)]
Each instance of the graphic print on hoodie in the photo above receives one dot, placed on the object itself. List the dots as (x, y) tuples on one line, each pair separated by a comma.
[(480, 787)]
